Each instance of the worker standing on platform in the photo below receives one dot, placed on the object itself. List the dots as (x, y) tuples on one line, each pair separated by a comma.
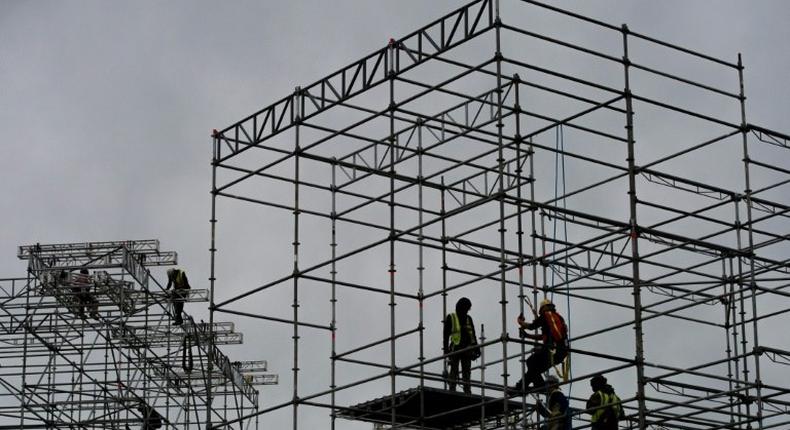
[(177, 279), (556, 410), (604, 405), (459, 333), (152, 420), (554, 335), (80, 286)]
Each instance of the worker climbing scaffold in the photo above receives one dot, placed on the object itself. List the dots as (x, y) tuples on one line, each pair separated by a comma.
[(552, 351)]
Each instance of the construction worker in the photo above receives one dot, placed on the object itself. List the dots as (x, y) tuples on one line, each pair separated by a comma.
[(554, 335), (556, 410), (152, 420), (459, 333), (80, 286), (603, 405), (177, 279)]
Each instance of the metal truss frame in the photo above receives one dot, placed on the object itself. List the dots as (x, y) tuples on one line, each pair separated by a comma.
[(369, 136), (62, 368)]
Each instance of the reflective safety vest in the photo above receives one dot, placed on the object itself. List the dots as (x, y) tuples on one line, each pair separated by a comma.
[(455, 334), (180, 280), (557, 330), (609, 410)]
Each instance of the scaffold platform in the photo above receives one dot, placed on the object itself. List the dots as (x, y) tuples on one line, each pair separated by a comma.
[(440, 409)]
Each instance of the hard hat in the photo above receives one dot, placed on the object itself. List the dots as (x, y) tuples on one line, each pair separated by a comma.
[(544, 303)]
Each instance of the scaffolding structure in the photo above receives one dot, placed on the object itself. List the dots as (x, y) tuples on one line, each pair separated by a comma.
[(87, 342), (438, 166), (470, 157)]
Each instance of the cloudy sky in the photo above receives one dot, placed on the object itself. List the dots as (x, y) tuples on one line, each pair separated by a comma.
[(106, 107)]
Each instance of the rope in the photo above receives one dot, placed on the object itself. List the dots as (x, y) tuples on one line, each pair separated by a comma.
[(559, 169)]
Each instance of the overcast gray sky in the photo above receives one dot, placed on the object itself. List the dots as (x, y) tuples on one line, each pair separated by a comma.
[(106, 107)]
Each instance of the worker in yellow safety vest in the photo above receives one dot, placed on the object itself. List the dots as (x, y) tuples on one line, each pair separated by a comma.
[(603, 405), (178, 280), (459, 336)]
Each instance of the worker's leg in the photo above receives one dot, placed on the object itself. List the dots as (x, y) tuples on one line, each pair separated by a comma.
[(559, 355), (78, 303), (453, 372), (92, 305), (527, 377), (524, 382), (178, 308), (466, 374), (537, 363), (80, 307)]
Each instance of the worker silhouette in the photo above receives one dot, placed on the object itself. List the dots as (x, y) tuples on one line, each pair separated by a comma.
[(556, 410), (603, 405), (553, 350), (459, 333), (152, 420), (80, 286), (177, 278)]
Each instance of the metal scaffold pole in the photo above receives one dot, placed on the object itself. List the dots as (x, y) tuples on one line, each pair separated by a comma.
[(752, 283), (639, 357)]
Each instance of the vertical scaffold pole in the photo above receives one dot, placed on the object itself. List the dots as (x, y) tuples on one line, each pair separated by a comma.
[(501, 198), (296, 116), (392, 150), (733, 315), (750, 236), (420, 268), (741, 311), (482, 377), (727, 302), (520, 223), (28, 325), (212, 277), (637, 286), (442, 213), (333, 299)]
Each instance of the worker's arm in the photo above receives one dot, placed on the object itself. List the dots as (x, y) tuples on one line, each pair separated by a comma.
[(542, 410), (475, 352), (536, 323), (169, 282), (593, 403), (446, 335)]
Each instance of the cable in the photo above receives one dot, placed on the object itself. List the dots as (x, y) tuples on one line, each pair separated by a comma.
[(559, 168)]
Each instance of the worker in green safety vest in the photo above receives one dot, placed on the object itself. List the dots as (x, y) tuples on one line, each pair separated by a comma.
[(459, 334), (604, 405), (177, 279)]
